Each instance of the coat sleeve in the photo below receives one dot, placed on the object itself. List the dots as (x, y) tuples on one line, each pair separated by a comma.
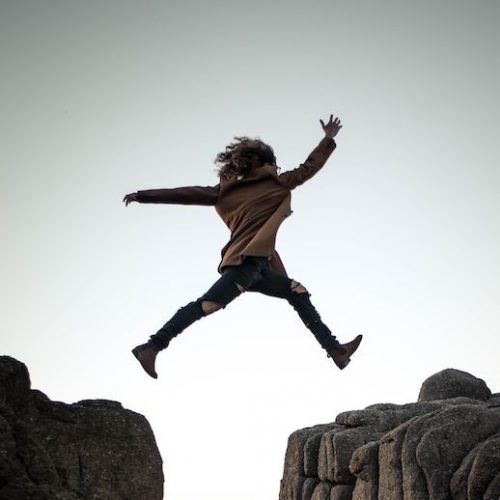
[(311, 166), (191, 195)]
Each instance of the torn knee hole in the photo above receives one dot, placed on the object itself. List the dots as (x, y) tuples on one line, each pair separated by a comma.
[(297, 287), (210, 307)]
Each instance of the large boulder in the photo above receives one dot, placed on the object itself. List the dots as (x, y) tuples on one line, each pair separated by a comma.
[(446, 446), (451, 383), (92, 449)]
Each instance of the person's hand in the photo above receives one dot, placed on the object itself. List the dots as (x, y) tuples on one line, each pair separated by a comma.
[(332, 127), (129, 198)]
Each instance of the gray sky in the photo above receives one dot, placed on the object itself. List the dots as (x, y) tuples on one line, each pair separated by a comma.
[(396, 238)]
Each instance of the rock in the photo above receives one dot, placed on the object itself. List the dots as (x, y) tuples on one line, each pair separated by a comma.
[(344, 445), (484, 470), (494, 400), (493, 491), (447, 438), (322, 491), (14, 383), (460, 478), (390, 468), (445, 446), (291, 487), (452, 383), (88, 450), (294, 457), (341, 492), (364, 465), (309, 486), (326, 454), (311, 449)]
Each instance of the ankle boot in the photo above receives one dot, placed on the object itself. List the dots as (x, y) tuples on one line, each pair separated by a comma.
[(146, 354), (341, 354)]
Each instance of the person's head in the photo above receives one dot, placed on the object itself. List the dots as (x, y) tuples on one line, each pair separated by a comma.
[(242, 156)]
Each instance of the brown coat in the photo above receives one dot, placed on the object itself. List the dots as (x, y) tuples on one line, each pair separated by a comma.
[(252, 207)]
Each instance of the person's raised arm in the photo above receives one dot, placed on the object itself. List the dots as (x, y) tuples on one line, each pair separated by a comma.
[(317, 157), (192, 195)]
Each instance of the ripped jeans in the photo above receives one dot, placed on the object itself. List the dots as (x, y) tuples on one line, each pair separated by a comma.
[(254, 275)]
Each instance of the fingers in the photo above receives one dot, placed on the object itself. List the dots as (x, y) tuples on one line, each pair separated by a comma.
[(331, 121), (129, 198)]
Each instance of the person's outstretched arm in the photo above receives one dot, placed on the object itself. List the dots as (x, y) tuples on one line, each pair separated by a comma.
[(192, 195), (316, 159)]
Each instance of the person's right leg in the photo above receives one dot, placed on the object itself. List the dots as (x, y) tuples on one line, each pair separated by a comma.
[(232, 283)]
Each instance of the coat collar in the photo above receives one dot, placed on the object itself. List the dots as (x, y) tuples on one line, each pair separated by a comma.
[(256, 174)]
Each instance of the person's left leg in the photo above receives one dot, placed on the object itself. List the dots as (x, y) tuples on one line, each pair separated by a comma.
[(298, 297)]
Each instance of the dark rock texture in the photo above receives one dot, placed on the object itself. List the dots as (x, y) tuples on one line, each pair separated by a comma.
[(444, 447), (451, 383), (94, 449)]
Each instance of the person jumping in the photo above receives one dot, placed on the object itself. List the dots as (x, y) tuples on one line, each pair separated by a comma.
[(252, 198)]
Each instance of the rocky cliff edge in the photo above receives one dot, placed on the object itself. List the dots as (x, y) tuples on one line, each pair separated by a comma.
[(446, 446), (92, 450)]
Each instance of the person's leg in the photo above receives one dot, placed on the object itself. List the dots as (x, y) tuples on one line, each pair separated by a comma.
[(276, 285), (298, 297), (232, 283)]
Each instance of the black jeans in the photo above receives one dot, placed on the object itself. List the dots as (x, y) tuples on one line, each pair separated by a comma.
[(254, 275)]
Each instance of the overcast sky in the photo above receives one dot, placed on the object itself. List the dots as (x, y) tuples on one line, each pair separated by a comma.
[(396, 238)]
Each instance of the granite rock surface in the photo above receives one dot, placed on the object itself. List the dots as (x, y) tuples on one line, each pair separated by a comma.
[(446, 446), (93, 449)]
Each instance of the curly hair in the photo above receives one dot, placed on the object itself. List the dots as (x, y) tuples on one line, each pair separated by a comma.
[(242, 156)]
